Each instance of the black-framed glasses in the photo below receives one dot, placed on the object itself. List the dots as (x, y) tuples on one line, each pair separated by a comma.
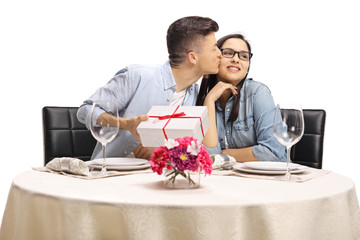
[(230, 53)]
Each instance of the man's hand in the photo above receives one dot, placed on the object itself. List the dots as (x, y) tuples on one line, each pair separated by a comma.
[(143, 152), (131, 124)]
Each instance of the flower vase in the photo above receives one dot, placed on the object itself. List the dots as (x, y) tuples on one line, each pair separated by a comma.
[(173, 178)]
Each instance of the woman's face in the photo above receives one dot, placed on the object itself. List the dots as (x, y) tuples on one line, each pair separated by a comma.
[(233, 70)]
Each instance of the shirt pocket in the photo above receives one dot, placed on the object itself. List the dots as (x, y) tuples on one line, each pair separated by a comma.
[(244, 125), (244, 133)]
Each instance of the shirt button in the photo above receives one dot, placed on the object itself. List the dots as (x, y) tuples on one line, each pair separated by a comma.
[(228, 110), (245, 126), (221, 139), (227, 131), (168, 99)]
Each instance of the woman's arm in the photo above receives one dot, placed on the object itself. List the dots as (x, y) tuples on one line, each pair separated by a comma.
[(241, 154), (211, 137), (266, 148)]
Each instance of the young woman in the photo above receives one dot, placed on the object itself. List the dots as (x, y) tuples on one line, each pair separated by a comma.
[(241, 111)]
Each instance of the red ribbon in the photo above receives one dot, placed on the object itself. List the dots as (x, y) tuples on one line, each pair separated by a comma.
[(176, 115)]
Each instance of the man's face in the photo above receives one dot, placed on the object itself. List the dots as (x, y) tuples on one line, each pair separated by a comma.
[(209, 58)]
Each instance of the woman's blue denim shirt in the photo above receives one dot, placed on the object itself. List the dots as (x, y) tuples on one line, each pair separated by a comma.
[(254, 125)]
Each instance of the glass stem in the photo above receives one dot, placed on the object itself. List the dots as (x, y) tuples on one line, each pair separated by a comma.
[(103, 169), (288, 174)]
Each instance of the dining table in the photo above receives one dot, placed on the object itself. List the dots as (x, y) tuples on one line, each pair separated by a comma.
[(47, 205)]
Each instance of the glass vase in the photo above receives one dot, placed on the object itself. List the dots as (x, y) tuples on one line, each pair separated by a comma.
[(173, 178)]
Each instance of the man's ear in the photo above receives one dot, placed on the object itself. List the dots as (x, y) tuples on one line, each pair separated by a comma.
[(192, 57)]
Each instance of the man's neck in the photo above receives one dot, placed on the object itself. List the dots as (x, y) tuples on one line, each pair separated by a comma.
[(184, 77)]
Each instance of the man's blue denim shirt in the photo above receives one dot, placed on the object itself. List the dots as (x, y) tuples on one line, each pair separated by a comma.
[(134, 89)]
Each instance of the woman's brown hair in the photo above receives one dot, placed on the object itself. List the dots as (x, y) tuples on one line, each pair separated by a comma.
[(209, 81)]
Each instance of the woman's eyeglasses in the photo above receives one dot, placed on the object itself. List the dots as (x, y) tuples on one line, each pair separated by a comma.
[(230, 53)]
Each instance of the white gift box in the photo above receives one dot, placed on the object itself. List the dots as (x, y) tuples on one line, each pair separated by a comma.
[(179, 121)]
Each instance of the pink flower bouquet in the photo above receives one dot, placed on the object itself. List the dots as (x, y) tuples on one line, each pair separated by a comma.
[(181, 157)]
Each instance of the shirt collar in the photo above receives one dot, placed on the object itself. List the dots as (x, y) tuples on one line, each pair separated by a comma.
[(168, 77)]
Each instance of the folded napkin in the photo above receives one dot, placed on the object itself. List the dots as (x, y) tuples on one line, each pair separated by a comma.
[(222, 161), (70, 165), (94, 174), (77, 168), (307, 175)]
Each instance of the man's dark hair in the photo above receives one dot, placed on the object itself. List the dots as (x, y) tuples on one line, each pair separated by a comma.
[(186, 35)]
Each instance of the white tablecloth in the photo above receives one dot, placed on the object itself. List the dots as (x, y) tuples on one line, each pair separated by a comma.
[(49, 206)]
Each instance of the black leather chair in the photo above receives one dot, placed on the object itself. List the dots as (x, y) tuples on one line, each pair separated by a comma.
[(64, 135), (309, 150)]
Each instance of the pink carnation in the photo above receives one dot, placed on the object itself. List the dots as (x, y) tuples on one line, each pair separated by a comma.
[(205, 161), (159, 159), (185, 141)]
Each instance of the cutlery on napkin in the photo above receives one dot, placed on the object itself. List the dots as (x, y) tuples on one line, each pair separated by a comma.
[(222, 161)]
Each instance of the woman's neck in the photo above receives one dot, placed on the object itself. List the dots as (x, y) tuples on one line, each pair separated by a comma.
[(224, 98)]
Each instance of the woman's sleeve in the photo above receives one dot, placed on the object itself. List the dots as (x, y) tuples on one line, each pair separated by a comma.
[(214, 150), (268, 147)]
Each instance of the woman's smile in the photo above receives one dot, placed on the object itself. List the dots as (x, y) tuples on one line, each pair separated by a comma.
[(234, 69)]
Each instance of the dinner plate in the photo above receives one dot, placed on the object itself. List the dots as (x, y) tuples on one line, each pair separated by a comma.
[(241, 167), (120, 163), (271, 166)]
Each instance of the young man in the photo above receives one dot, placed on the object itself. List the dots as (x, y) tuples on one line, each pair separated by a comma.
[(135, 89)]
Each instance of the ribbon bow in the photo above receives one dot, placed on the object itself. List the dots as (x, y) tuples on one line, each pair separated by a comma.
[(175, 115)]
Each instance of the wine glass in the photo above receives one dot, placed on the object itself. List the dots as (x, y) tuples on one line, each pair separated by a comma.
[(105, 128), (288, 128)]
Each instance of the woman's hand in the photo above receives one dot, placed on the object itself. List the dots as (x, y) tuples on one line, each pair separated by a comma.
[(221, 88)]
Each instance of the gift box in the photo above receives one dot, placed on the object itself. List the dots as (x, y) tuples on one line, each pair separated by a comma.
[(170, 122)]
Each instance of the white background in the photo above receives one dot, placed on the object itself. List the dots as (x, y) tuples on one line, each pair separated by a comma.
[(57, 53)]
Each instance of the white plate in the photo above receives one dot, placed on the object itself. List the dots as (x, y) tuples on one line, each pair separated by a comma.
[(271, 166), (241, 167), (120, 164), (119, 161)]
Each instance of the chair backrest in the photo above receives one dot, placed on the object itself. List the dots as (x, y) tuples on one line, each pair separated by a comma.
[(64, 135), (309, 150)]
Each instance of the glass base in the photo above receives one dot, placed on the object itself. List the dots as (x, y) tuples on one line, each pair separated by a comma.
[(290, 178), (99, 174), (186, 180), (103, 171)]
